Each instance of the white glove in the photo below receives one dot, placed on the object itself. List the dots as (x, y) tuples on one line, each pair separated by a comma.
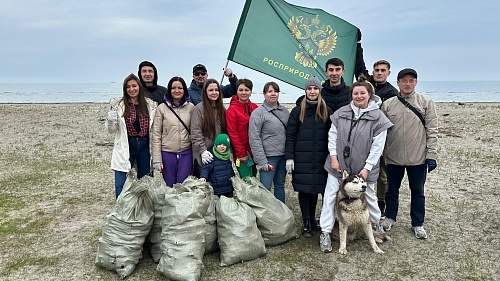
[(157, 166), (289, 166), (113, 115), (266, 168), (206, 157), (228, 72)]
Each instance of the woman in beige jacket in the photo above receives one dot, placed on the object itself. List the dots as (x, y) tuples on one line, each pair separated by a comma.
[(171, 141)]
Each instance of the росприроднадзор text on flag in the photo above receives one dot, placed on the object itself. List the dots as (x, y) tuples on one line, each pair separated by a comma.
[(290, 42)]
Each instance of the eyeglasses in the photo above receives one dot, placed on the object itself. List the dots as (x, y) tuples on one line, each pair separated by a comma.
[(405, 81), (198, 73)]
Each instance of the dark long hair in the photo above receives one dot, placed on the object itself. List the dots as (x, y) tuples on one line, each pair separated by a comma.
[(168, 95), (143, 105), (209, 111)]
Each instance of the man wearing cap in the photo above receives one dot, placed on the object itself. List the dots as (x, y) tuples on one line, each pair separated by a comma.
[(200, 75), (149, 77), (411, 145)]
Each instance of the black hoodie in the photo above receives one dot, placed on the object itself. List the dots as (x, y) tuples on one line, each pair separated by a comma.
[(156, 92)]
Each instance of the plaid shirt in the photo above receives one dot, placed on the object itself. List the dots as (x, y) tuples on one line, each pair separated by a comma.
[(143, 121)]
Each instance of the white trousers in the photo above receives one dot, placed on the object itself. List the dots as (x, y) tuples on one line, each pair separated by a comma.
[(327, 218)]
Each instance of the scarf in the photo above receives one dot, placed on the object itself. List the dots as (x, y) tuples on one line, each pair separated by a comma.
[(221, 155)]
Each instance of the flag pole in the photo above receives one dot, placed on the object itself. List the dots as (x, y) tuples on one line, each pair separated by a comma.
[(222, 79)]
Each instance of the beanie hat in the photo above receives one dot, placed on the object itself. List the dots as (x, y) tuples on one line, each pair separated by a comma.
[(313, 81), (222, 139)]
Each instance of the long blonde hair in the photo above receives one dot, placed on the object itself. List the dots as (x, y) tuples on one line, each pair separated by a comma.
[(321, 109)]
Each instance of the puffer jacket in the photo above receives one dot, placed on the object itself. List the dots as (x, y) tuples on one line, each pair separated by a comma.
[(307, 145), (218, 173), (267, 134), (409, 143), (237, 118), (336, 96), (121, 154), (168, 133)]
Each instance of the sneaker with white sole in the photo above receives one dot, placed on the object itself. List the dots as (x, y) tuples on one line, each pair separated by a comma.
[(378, 227), (388, 223), (325, 243), (420, 232)]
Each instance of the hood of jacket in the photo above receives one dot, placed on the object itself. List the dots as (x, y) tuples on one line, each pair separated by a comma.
[(155, 80), (373, 104), (244, 107)]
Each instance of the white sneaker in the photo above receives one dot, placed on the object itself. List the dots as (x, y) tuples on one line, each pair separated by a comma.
[(388, 223), (378, 227), (420, 232), (325, 243)]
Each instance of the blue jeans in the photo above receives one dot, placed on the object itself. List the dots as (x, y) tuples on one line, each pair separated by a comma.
[(416, 179), (277, 176), (139, 152)]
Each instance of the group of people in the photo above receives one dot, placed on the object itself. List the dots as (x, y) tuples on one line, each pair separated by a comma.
[(370, 129)]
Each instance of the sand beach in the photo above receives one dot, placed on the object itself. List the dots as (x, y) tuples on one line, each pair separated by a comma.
[(56, 189)]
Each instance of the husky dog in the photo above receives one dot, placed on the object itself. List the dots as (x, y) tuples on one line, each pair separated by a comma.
[(352, 213)]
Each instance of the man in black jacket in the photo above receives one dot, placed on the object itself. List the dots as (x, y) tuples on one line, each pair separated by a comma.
[(149, 77), (383, 89), (334, 91)]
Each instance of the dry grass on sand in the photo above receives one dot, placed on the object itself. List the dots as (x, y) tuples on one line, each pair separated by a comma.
[(56, 189)]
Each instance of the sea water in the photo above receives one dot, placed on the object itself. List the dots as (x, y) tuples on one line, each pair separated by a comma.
[(438, 91)]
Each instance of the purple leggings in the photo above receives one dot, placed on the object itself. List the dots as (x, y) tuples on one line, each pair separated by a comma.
[(176, 166)]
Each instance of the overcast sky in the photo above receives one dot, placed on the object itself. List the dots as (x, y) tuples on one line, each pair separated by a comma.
[(104, 41)]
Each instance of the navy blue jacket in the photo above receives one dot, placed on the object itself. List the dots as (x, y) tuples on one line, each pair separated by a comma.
[(228, 91), (219, 174)]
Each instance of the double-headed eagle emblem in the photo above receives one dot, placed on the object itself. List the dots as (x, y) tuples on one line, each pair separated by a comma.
[(314, 40)]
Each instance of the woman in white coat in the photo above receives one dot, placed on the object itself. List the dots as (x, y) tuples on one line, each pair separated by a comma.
[(130, 118)]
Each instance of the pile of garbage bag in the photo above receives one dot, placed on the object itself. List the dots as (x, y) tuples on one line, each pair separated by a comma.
[(184, 222)]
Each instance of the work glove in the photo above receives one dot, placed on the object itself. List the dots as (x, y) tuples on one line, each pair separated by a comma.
[(266, 168), (359, 36), (113, 115), (228, 72), (289, 166), (431, 164), (206, 157), (158, 167)]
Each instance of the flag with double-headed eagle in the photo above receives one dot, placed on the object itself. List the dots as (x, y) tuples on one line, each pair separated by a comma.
[(290, 42)]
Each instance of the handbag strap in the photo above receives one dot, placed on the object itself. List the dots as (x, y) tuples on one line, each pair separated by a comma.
[(408, 105), (284, 125), (182, 122)]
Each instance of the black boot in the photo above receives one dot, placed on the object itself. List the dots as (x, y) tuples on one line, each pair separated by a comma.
[(315, 224), (306, 227), (381, 206)]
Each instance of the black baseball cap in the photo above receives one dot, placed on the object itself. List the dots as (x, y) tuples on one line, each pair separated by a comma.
[(199, 66), (407, 71)]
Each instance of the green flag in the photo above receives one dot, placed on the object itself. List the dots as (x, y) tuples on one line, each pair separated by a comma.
[(290, 42)]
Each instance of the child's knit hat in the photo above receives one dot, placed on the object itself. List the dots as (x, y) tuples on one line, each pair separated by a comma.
[(222, 139)]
